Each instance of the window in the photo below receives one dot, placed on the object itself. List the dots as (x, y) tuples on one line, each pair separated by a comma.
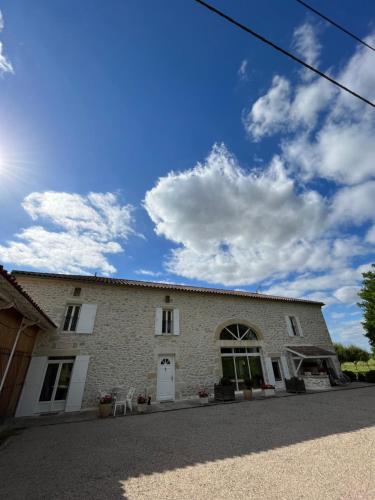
[(71, 318), (238, 332), (294, 330), (77, 292), (167, 321)]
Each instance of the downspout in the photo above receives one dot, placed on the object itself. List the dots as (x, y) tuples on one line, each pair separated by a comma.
[(24, 324)]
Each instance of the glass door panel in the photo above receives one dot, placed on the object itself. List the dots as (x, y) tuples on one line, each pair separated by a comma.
[(242, 371), (55, 385), (256, 371), (64, 380), (228, 369), (49, 382)]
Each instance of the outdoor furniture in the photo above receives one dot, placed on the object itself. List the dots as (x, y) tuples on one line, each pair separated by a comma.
[(120, 399), (295, 384), (224, 392)]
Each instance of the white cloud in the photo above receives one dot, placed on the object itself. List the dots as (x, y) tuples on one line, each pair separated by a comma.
[(84, 230), (97, 214), (271, 111), (349, 332), (237, 227), (306, 44), (354, 204), (329, 134), (5, 64), (242, 71), (347, 294), (147, 272)]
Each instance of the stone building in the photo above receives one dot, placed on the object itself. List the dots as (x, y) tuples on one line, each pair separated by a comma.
[(168, 340)]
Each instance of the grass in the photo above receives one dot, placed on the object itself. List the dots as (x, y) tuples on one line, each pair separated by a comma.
[(360, 367)]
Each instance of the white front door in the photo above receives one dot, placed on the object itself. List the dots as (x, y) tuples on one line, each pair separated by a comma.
[(165, 382), (55, 386), (278, 373)]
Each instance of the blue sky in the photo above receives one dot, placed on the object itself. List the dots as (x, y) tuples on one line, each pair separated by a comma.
[(155, 141)]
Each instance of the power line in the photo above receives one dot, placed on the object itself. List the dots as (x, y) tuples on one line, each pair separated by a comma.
[(336, 24), (283, 51)]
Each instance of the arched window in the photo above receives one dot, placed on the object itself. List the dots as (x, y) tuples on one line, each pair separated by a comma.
[(238, 332)]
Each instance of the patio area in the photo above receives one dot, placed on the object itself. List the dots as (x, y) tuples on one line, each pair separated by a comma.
[(299, 447), (156, 407)]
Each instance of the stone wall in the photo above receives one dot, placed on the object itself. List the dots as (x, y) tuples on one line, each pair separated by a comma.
[(124, 350)]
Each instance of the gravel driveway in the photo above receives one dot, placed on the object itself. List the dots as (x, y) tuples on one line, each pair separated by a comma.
[(317, 447)]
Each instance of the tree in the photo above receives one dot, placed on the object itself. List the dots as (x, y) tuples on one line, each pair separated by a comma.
[(351, 353), (341, 352), (367, 304), (356, 354)]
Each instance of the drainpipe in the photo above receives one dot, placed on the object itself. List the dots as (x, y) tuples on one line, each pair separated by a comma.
[(24, 324)]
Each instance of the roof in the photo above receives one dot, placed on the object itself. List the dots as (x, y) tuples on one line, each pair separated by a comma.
[(165, 286), (11, 281), (310, 351)]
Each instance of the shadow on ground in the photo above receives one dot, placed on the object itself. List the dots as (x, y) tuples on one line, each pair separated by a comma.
[(93, 459)]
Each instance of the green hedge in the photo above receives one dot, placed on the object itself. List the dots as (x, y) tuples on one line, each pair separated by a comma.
[(370, 376)]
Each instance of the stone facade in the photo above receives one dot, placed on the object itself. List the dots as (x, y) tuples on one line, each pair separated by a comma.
[(124, 349)]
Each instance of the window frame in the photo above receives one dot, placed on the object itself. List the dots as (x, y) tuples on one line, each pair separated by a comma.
[(73, 317), (294, 326), (167, 324)]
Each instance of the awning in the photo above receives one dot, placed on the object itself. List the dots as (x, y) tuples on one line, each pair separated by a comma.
[(309, 351)]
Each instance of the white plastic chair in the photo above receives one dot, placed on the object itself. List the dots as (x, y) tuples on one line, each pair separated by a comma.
[(120, 400), (129, 398)]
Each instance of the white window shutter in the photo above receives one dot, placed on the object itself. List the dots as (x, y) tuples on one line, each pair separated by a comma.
[(32, 386), (176, 322), (86, 318), (269, 368), (158, 320), (77, 383), (300, 332), (284, 364), (289, 326)]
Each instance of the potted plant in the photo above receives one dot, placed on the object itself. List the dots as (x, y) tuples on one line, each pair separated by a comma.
[(268, 389), (141, 403), (105, 405), (203, 396), (247, 392), (224, 391)]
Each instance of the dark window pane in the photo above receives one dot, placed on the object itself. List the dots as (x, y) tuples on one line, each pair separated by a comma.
[(49, 382), (240, 349), (73, 325), (293, 325), (250, 335), (164, 322), (256, 371), (67, 317), (64, 380), (276, 370), (225, 335), (228, 368), (242, 371), (226, 350)]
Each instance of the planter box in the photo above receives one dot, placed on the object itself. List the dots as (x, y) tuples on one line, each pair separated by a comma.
[(203, 401), (268, 392), (105, 410), (141, 407), (224, 392)]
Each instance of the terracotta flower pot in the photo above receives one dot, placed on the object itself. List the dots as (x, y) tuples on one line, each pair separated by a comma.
[(203, 401), (141, 407), (105, 410), (248, 394)]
